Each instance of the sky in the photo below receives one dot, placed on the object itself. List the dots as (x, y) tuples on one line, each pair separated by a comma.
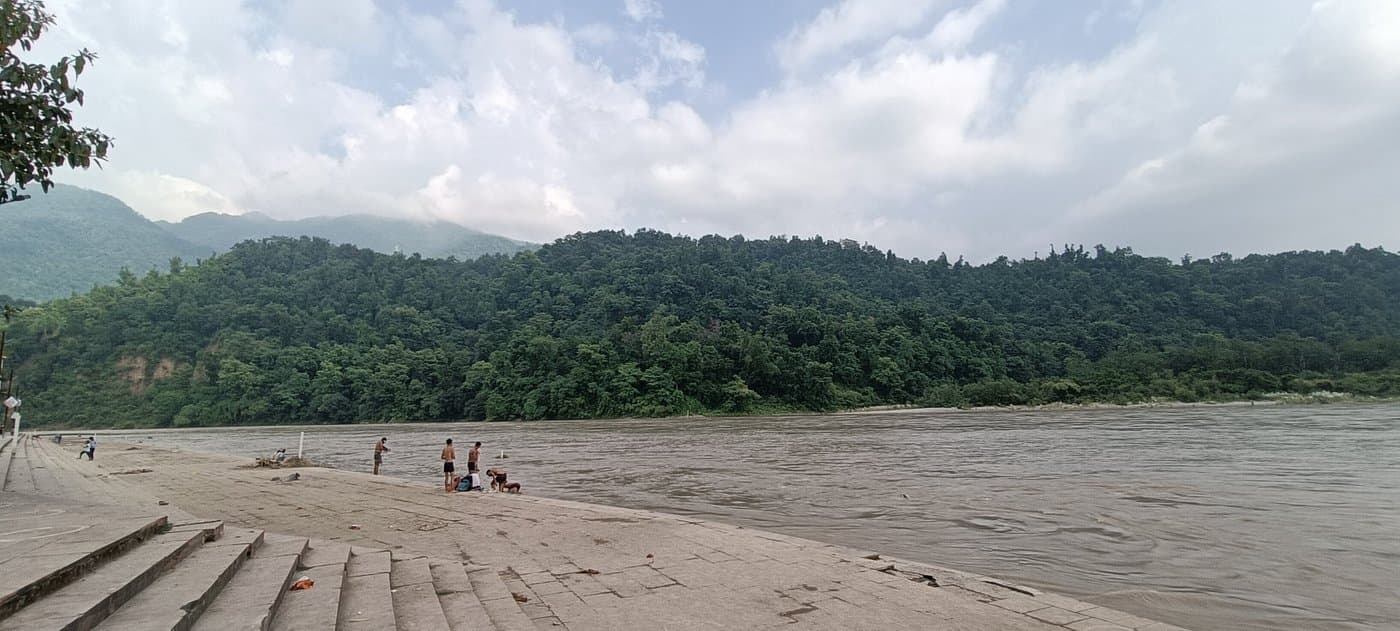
[(974, 128)]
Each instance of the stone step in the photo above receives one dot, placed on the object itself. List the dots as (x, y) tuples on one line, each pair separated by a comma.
[(7, 453), (91, 482), (79, 479), (366, 602), (249, 601), (176, 599), (317, 608), (459, 602), (416, 606), (87, 480), (496, 598), (46, 475), (534, 607), (85, 602), (20, 476), (213, 530), (29, 571)]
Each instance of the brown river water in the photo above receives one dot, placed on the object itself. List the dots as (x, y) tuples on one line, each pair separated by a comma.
[(1212, 517)]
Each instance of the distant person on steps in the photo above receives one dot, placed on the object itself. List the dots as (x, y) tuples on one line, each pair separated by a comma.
[(89, 448), (448, 456), (379, 449)]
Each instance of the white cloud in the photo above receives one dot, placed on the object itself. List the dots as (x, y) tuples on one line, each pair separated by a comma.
[(642, 10), (958, 28), (516, 133), (1207, 125), (1325, 111), (849, 23), (172, 198), (595, 34)]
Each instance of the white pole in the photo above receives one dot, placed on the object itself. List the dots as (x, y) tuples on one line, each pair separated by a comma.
[(301, 443)]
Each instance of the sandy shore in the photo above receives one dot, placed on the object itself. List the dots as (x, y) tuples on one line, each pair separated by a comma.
[(599, 567)]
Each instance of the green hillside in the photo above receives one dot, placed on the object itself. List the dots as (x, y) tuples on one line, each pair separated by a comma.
[(72, 239), (438, 239), (608, 324)]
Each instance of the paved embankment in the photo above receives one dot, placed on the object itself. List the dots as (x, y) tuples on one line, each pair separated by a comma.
[(583, 566), (82, 550)]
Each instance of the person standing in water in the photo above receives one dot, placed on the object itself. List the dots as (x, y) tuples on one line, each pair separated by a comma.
[(379, 449), (448, 456), (473, 456)]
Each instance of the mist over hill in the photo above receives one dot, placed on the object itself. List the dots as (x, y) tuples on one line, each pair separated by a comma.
[(438, 239)]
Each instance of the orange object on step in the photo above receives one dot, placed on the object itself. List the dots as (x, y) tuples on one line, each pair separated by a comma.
[(303, 583)]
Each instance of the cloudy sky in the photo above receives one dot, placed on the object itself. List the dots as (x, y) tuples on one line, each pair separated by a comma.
[(980, 127)]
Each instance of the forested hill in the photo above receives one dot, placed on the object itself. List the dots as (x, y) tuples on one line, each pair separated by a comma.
[(608, 324), (72, 239)]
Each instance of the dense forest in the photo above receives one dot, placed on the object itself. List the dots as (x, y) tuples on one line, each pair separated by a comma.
[(608, 324)]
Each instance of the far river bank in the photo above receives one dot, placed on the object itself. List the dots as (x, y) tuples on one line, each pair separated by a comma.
[(1316, 398)]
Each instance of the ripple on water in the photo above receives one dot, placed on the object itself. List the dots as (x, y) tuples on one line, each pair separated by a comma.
[(993, 523)]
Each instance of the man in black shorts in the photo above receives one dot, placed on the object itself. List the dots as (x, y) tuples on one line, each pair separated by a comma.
[(472, 456), (448, 456)]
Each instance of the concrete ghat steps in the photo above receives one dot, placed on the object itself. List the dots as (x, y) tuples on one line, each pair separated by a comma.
[(85, 602), (416, 603), (180, 596), (365, 601), (19, 474), (364, 588), (459, 603), (496, 598), (7, 453), (315, 609), (142, 572), (27, 573), (249, 600)]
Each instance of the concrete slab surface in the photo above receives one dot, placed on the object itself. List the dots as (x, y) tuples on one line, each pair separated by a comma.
[(561, 564)]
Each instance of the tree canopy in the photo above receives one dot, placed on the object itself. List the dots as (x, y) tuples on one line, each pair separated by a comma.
[(608, 324), (37, 133)]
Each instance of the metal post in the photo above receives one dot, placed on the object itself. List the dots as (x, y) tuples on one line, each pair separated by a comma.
[(300, 444)]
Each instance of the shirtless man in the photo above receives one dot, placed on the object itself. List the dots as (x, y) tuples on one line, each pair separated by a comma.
[(472, 457), (448, 456), (379, 449)]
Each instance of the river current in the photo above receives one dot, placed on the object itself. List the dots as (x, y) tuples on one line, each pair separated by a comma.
[(1211, 517)]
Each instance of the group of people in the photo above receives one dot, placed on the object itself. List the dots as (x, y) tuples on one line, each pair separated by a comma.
[(495, 476), (89, 447)]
